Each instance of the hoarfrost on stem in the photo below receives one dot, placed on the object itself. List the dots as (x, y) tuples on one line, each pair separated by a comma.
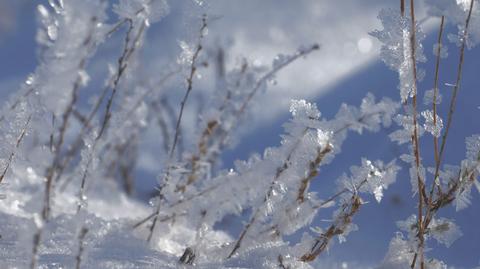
[(396, 48)]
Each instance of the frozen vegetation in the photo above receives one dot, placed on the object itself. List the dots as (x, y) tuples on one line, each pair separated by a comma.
[(68, 154)]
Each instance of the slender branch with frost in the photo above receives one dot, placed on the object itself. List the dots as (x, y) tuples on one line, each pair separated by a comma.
[(453, 99), (415, 140), (369, 178), (435, 85), (17, 145), (344, 219), (279, 171), (128, 50), (171, 154), (193, 69)]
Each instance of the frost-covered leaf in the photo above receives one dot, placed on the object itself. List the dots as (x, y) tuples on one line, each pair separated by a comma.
[(432, 125), (445, 231), (371, 177), (473, 148), (399, 254), (463, 196), (186, 55)]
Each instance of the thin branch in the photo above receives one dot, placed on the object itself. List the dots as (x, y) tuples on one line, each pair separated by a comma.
[(122, 66), (193, 69), (434, 104), (447, 198), (415, 140), (81, 247), (17, 145), (36, 244), (455, 90), (18, 100), (312, 172), (435, 85), (337, 228)]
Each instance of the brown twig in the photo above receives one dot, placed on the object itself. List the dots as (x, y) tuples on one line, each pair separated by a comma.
[(415, 140), (435, 85), (312, 172), (455, 90), (338, 228), (434, 105), (348, 211), (446, 198)]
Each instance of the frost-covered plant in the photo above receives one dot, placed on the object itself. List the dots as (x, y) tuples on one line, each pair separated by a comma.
[(69, 163), (454, 184)]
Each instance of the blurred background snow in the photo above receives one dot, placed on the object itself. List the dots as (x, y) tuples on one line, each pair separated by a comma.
[(344, 70)]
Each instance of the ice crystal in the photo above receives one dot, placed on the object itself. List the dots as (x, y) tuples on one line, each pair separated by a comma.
[(445, 231), (404, 135), (396, 49), (429, 98), (431, 126), (443, 50), (416, 174), (186, 56), (473, 148), (399, 254), (456, 13), (152, 10), (371, 177), (301, 108), (463, 196)]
